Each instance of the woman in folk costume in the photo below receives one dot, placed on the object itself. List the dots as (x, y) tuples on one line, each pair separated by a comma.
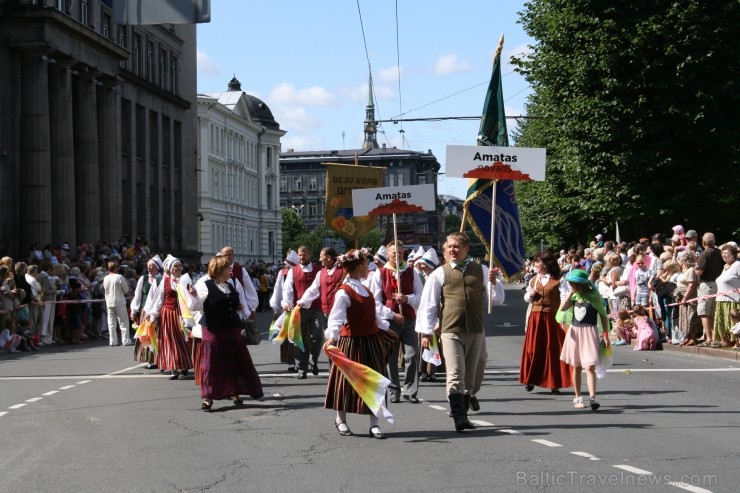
[(426, 265), (543, 339), (287, 348), (142, 303), (225, 368), (174, 354), (357, 330)]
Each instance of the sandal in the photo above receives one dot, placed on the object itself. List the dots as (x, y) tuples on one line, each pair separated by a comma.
[(578, 403), (343, 429), (206, 406), (594, 403)]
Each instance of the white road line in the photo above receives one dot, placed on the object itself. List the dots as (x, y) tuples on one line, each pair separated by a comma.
[(84, 382), (34, 399), (585, 455), (547, 442), (688, 487), (3, 413), (633, 470), (67, 387), (510, 432), (17, 406), (480, 422), (438, 408), (125, 370), (51, 392)]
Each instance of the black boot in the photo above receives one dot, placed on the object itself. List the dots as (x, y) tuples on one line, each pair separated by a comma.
[(457, 407), (466, 403)]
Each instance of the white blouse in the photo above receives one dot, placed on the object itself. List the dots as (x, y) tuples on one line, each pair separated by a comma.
[(342, 301)]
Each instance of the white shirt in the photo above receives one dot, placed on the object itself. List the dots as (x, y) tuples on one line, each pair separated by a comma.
[(428, 312), (202, 293), (277, 294), (289, 288), (116, 287), (342, 301), (544, 279), (375, 283), (139, 294), (250, 294), (35, 287)]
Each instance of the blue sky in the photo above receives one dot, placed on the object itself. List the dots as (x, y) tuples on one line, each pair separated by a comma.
[(307, 61)]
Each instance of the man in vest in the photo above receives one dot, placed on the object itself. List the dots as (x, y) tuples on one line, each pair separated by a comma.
[(287, 349), (461, 286), (298, 280), (398, 306), (326, 283), (239, 273)]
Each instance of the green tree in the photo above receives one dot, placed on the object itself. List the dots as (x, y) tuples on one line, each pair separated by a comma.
[(371, 240), (292, 228), (640, 110)]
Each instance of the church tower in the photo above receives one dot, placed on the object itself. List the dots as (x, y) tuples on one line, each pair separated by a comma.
[(371, 141)]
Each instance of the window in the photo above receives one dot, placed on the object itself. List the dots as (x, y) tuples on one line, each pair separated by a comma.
[(150, 61), (269, 157), (400, 180), (269, 196), (137, 54), (84, 12), (283, 184), (312, 183), (312, 211), (163, 69), (61, 5), (123, 43), (298, 208), (297, 184), (173, 75), (391, 180), (107, 31)]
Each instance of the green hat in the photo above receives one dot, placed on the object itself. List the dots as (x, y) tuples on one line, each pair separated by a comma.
[(578, 276)]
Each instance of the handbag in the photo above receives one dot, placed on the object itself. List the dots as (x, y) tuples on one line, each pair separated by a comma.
[(621, 291), (250, 333)]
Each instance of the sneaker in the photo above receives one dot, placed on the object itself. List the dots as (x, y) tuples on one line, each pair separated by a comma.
[(715, 344), (620, 342)]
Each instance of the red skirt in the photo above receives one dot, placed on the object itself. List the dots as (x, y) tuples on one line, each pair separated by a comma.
[(540, 364), (173, 349), (373, 351), (226, 368)]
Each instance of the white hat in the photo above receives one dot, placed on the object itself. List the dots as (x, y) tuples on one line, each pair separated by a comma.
[(158, 262), (292, 258), (599, 237), (430, 258), (65, 246), (419, 253), (169, 262), (372, 266), (380, 256)]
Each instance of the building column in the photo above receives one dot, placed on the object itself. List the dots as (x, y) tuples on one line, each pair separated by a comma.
[(63, 217), (87, 177), (109, 161), (34, 196)]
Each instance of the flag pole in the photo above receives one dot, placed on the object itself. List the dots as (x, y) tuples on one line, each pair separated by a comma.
[(464, 218), (490, 254), (395, 262)]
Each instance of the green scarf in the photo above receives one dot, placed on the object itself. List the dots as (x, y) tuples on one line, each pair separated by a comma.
[(591, 296)]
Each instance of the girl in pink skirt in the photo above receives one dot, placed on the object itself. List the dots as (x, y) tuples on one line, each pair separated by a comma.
[(584, 311)]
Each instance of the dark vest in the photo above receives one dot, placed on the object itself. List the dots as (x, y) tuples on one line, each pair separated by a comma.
[(388, 279), (360, 315), (221, 309), (462, 299), (302, 281)]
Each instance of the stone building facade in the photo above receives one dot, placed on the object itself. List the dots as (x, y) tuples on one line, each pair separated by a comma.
[(238, 170), (97, 128)]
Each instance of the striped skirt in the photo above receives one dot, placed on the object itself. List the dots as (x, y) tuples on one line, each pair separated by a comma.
[(373, 351), (173, 349), (142, 354)]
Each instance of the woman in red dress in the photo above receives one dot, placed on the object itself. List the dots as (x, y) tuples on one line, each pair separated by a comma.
[(544, 337)]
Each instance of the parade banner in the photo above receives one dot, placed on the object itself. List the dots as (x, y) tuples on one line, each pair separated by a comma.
[(495, 163), (341, 180), (394, 200)]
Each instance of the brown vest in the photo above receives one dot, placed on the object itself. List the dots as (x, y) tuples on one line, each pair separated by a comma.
[(462, 300)]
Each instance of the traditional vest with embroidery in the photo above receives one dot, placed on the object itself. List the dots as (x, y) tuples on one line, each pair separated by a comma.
[(302, 281), (462, 299), (360, 315)]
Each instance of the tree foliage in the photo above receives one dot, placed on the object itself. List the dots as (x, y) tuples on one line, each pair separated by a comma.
[(641, 111), (292, 228)]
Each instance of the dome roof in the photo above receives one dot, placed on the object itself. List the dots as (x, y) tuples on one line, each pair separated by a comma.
[(260, 112)]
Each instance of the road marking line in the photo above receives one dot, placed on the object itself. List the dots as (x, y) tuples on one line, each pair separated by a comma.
[(688, 487), (3, 413), (17, 406), (438, 408), (547, 442), (51, 392), (83, 382), (34, 399), (585, 455), (480, 422), (422, 400), (633, 469), (66, 387), (125, 370), (510, 432)]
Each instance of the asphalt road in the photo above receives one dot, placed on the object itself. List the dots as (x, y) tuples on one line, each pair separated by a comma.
[(87, 419)]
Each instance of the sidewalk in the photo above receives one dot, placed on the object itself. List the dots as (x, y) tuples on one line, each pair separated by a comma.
[(728, 354)]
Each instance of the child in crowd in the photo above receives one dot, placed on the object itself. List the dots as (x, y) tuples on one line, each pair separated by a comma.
[(9, 340), (25, 330), (647, 331), (624, 329), (735, 329), (642, 276)]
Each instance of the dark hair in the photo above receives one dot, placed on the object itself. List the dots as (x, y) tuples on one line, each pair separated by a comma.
[(656, 248), (551, 264), (329, 252)]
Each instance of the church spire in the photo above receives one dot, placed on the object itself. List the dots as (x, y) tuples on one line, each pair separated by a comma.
[(371, 141)]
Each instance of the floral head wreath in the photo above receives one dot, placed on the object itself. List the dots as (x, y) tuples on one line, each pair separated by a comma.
[(354, 256)]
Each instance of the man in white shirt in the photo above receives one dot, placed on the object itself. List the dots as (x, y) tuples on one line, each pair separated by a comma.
[(464, 285), (116, 287), (239, 272)]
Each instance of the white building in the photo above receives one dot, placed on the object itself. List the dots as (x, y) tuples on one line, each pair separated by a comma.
[(238, 175)]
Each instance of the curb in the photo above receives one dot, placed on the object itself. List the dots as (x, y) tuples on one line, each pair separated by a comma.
[(727, 354)]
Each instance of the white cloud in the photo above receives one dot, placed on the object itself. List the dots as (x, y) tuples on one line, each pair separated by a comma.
[(521, 51), (389, 74), (358, 93), (302, 143), (312, 96), (294, 119), (450, 64), (206, 65)]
